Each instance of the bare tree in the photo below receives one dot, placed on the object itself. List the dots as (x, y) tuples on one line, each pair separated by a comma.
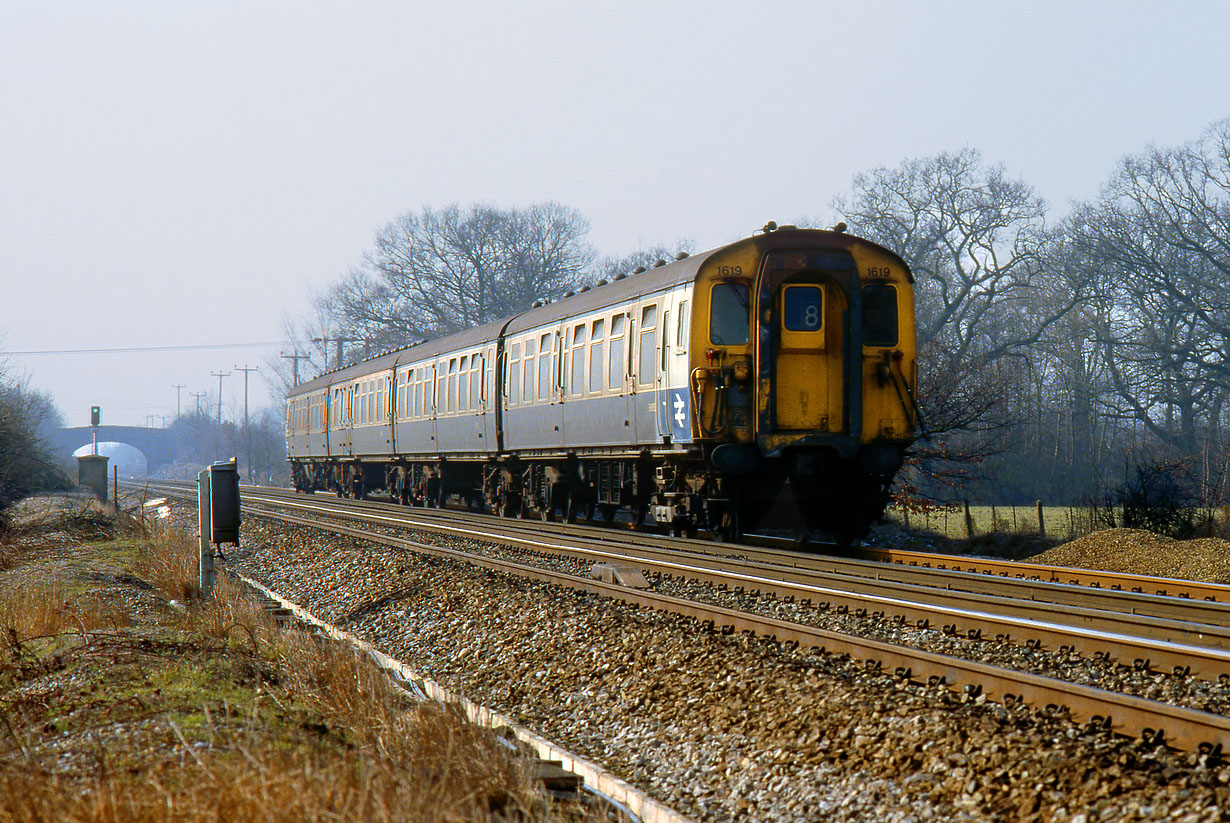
[(1158, 242), (986, 293), (645, 257), (437, 271), (974, 240)]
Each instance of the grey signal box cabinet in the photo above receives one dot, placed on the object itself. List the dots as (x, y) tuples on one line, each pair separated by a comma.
[(219, 502)]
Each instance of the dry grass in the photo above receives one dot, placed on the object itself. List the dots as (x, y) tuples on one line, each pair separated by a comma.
[(168, 562), (217, 714)]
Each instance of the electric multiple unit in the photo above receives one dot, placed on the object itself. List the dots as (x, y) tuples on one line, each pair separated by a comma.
[(695, 392)]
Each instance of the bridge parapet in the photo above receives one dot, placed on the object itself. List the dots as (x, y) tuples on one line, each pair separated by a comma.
[(155, 444)]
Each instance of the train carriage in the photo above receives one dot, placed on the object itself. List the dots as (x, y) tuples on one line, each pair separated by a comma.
[(696, 391)]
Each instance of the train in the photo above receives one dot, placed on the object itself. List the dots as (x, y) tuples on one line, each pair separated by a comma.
[(695, 392)]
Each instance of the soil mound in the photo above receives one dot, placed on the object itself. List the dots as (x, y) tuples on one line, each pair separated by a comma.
[(1134, 551)]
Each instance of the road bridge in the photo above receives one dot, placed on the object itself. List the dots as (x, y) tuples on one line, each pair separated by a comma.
[(155, 444)]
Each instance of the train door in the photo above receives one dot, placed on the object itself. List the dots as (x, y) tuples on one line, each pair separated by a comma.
[(805, 367), (619, 378), (436, 393), (341, 444), (644, 370), (809, 369), (489, 372), (673, 420)]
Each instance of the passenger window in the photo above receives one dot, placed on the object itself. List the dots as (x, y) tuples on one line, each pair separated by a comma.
[(476, 381), (681, 328), (666, 337), (879, 315), (648, 345), (615, 362), (463, 383), (528, 381), (514, 373), (729, 314), (597, 343), (544, 367), (576, 379)]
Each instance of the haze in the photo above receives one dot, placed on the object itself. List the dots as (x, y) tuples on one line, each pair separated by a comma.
[(181, 174)]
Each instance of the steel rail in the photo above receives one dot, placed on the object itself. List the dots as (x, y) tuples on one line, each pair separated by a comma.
[(1105, 591), (1166, 586), (1032, 623), (1145, 642), (1174, 613), (1156, 722), (1131, 593)]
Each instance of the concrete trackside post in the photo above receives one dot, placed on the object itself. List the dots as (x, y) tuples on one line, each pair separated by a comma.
[(207, 545)]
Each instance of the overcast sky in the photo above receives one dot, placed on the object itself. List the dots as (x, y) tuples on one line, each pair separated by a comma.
[(188, 173)]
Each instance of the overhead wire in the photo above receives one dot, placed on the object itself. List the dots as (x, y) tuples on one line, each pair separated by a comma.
[(142, 349)]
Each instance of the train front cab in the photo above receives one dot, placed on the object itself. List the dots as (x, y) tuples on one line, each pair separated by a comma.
[(807, 378)]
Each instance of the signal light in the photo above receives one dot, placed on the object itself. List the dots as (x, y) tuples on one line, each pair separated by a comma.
[(95, 415)]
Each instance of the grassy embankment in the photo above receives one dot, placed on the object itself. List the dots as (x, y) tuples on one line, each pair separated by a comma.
[(115, 706)]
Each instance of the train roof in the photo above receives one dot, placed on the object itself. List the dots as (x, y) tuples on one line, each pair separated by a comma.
[(609, 291), (614, 290)]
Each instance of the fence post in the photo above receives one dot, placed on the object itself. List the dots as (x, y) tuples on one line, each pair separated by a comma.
[(1041, 522), (969, 522)]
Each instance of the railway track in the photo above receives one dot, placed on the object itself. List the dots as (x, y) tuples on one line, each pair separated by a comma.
[(1111, 628), (1116, 581)]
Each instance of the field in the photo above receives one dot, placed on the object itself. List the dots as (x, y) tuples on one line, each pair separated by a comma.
[(1058, 522)]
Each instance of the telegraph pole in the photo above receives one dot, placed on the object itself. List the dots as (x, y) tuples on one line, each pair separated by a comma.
[(295, 357), (341, 351), (178, 388), (220, 375), (340, 341), (247, 432), (198, 396)]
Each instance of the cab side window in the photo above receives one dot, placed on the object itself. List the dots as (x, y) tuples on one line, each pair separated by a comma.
[(729, 314), (879, 315)]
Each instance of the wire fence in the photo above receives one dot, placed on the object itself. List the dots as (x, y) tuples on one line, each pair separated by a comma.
[(964, 521)]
